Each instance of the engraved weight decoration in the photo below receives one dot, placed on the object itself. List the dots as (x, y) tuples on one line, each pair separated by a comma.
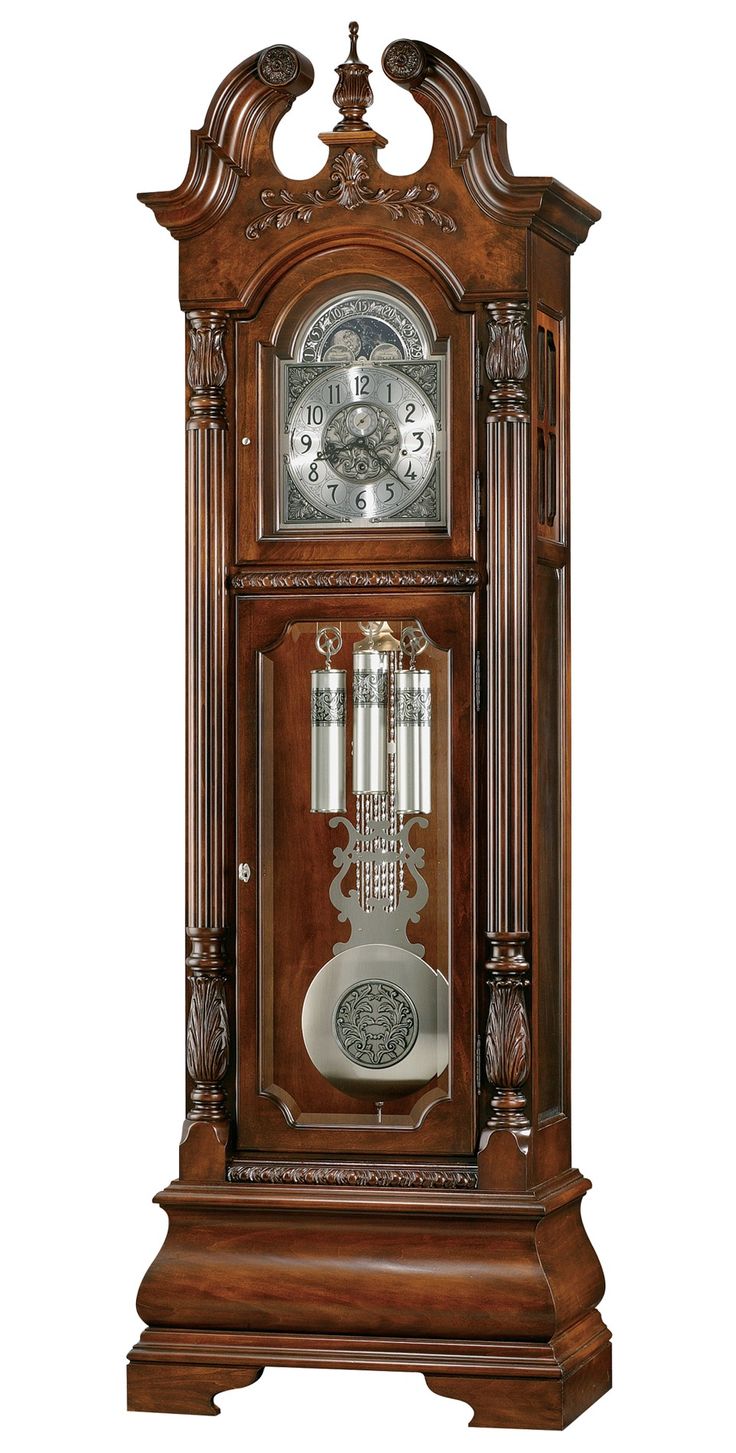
[(328, 728), (376, 1023)]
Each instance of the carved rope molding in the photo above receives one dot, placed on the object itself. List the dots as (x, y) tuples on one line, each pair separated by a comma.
[(350, 188), (364, 1176), (463, 576)]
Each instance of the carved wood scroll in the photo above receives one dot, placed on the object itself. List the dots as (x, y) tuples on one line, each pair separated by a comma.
[(207, 1028), (507, 1057)]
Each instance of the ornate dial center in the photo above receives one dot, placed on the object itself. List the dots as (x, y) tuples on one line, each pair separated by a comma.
[(361, 442)]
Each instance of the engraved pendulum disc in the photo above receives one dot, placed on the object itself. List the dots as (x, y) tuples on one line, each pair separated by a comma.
[(375, 1021)]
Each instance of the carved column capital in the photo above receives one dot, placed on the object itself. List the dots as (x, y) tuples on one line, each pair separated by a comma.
[(206, 366), (507, 360)]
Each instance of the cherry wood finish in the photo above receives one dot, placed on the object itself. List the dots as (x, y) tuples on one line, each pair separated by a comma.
[(450, 1242)]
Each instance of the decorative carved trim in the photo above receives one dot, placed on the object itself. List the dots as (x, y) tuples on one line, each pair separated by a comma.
[(507, 360), (278, 65), (208, 1040), (404, 61), (353, 94), (350, 188), (461, 575), (208, 1035), (206, 364), (417, 1178), (508, 1040)]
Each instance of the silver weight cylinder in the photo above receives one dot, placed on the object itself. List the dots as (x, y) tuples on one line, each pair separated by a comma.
[(370, 720), (328, 741), (413, 741)]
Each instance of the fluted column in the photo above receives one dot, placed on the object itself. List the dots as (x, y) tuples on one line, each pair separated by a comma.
[(207, 1025), (508, 1045)]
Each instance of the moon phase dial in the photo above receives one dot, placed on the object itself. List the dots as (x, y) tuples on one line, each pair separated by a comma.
[(362, 443)]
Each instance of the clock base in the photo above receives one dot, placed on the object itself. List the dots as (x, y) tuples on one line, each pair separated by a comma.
[(491, 1297), (514, 1385)]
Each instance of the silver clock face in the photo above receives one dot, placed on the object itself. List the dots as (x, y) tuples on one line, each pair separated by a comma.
[(362, 443), (362, 419)]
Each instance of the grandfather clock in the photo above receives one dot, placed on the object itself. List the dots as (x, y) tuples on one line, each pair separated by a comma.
[(375, 1164)]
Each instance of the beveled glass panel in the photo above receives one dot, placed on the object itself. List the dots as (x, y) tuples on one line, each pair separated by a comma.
[(353, 910)]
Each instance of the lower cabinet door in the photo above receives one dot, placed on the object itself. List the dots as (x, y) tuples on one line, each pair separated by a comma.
[(356, 944)]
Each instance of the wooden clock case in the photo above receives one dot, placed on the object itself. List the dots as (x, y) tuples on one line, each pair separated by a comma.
[(454, 1246)]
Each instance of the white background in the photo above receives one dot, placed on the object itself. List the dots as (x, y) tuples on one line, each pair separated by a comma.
[(629, 104)]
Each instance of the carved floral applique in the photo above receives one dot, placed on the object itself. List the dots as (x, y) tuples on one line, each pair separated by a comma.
[(350, 188)]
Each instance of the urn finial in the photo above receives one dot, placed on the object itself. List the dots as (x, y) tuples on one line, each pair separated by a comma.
[(353, 94)]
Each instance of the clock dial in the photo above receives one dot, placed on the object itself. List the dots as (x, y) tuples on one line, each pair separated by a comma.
[(362, 414), (362, 443)]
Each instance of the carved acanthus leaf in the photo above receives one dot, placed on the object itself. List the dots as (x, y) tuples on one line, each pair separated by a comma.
[(507, 358), (208, 1039), (350, 178), (507, 1034), (206, 364)]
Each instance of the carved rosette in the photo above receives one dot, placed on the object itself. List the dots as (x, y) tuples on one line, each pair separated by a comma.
[(404, 62), (278, 65), (507, 359), (508, 1040), (208, 1036)]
